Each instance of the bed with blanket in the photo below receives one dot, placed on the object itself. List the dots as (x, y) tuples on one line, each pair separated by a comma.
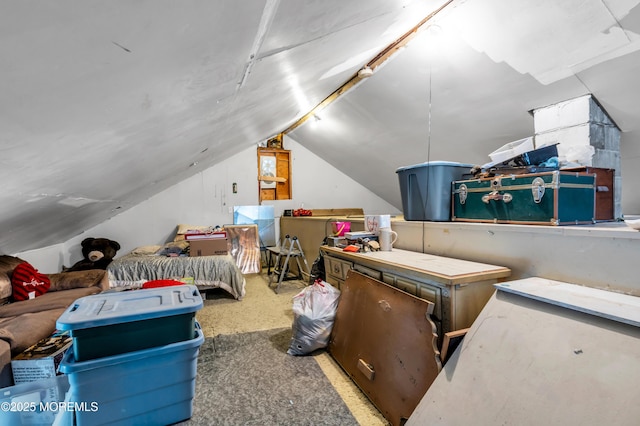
[(206, 272), (172, 261)]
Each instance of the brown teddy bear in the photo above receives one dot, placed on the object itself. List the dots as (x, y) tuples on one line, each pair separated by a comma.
[(97, 253)]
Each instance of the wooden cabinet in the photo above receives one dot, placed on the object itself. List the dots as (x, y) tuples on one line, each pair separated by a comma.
[(336, 270), (459, 289), (274, 174)]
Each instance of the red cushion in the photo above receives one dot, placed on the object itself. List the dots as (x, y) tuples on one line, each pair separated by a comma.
[(161, 283), (27, 283)]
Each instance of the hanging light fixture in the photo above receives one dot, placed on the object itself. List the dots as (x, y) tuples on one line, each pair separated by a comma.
[(365, 72)]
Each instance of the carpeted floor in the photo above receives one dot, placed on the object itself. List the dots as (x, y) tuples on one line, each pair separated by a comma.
[(264, 310), (248, 379)]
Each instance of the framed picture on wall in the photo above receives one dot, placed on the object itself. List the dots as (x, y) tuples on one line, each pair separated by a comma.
[(267, 168)]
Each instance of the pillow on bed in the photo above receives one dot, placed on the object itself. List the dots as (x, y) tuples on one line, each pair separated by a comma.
[(146, 249), (183, 229), (174, 248)]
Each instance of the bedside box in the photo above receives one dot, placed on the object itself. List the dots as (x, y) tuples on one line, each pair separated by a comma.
[(211, 247), (41, 360)]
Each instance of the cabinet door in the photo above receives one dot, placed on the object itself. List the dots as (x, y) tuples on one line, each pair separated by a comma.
[(367, 271), (409, 286), (432, 294), (335, 282), (417, 288), (336, 267)]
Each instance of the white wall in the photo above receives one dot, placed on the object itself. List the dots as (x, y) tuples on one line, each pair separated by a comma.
[(207, 199), (47, 259), (318, 185)]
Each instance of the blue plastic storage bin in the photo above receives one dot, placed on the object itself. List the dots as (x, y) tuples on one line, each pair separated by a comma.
[(151, 386), (108, 324), (426, 189)]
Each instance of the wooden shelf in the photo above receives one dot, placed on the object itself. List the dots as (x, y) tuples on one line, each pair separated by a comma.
[(272, 179)]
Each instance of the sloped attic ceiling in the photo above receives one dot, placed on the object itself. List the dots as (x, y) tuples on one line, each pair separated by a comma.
[(107, 103), (136, 96), (467, 84)]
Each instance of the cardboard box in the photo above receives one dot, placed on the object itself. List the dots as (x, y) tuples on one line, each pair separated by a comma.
[(210, 247), (41, 360), (205, 235)]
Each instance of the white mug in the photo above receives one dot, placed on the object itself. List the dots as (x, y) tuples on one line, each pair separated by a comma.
[(386, 238)]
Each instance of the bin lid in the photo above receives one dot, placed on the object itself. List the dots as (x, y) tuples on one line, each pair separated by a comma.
[(128, 306), (432, 164)]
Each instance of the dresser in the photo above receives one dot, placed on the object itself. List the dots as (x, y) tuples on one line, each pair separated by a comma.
[(459, 289)]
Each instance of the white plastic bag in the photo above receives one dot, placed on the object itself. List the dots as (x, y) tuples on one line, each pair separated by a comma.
[(314, 310), (581, 154)]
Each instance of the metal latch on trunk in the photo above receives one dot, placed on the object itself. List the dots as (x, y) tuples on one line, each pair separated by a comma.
[(537, 188), (496, 185), (462, 193), (496, 196)]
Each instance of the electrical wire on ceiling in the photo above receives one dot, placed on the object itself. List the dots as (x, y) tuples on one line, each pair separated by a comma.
[(429, 104), (429, 117)]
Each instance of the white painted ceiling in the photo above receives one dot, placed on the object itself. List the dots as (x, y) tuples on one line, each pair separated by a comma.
[(135, 96)]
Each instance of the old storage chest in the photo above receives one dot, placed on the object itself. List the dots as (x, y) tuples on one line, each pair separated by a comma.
[(548, 198), (605, 191)]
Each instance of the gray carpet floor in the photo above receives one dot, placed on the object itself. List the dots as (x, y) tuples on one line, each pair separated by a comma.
[(249, 379)]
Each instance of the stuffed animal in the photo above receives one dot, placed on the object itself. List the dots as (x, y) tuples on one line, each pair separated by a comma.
[(97, 253)]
